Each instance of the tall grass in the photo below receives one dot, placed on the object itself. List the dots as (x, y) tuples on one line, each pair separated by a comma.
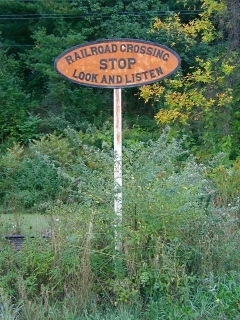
[(180, 242)]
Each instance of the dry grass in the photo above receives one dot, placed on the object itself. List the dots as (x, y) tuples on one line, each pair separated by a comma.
[(26, 224)]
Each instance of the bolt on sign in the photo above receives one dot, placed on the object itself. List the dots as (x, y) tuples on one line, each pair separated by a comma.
[(117, 63)]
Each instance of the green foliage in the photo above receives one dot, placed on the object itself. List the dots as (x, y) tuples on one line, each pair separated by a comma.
[(14, 102), (180, 236), (199, 101), (205, 303), (55, 168), (29, 182), (226, 182), (118, 19)]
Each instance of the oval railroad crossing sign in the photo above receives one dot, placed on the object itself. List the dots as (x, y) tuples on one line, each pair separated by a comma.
[(117, 63)]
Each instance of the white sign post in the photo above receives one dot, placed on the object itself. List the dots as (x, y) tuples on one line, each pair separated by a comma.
[(118, 167)]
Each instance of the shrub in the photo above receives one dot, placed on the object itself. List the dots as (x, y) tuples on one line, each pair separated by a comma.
[(30, 182), (180, 249)]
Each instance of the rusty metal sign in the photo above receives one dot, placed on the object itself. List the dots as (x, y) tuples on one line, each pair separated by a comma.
[(117, 63)]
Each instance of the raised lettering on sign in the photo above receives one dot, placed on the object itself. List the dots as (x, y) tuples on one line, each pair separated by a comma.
[(117, 63)]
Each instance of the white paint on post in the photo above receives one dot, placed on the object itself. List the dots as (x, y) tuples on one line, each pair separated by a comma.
[(118, 167)]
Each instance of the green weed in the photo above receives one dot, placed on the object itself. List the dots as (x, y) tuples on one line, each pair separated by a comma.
[(180, 246)]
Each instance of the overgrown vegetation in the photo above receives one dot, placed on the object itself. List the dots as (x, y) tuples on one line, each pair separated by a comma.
[(180, 232)]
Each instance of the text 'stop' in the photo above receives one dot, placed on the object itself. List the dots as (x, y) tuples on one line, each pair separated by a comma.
[(117, 63)]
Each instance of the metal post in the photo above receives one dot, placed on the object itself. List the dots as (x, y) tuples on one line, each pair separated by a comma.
[(118, 167)]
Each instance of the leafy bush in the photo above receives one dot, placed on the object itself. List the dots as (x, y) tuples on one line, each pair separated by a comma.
[(31, 181), (180, 250)]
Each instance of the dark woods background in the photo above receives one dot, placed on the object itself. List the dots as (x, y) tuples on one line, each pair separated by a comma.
[(34, 100)]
